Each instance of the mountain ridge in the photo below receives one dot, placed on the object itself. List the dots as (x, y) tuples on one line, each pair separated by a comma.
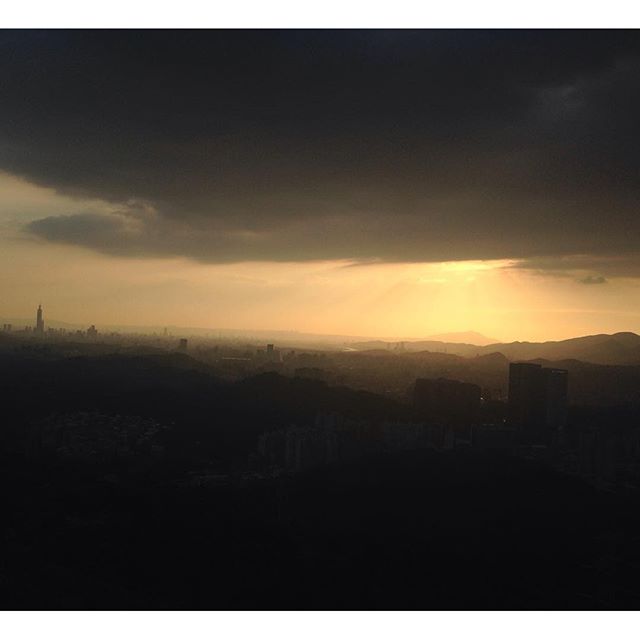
[(622, 348)]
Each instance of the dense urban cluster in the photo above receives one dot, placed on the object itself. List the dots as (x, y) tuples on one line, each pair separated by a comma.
[(154, 456), (527, 409)]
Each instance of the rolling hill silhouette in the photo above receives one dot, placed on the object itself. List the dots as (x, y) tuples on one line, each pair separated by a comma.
[(612, 349)]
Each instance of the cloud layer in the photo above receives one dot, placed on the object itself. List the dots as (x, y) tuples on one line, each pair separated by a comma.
[(369, 145)]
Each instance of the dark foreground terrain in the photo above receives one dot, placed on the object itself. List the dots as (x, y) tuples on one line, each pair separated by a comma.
[(415, 530), (134, 482)]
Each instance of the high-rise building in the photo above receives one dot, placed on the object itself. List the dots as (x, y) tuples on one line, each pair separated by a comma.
[(92, 332), (556, 385), (273, 355), (537, 401), (526, 394), (39, 320)]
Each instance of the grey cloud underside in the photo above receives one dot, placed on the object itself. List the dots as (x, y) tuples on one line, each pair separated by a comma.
[(586, 269), (331, 145)]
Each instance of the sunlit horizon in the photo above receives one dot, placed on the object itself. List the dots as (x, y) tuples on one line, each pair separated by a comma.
[(497, 298)]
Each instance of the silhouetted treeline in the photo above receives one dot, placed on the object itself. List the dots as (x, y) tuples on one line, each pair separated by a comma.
[(208, 417)]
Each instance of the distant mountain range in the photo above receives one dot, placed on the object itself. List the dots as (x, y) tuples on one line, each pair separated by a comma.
[(614, 349), (463, 337)]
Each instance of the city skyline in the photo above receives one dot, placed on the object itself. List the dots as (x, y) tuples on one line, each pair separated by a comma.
[(469, 337)]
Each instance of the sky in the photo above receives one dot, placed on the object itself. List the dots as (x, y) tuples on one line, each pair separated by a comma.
[(369, 183)]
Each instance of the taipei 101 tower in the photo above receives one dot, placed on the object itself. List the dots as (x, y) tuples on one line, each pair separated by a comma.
[(39, 320)]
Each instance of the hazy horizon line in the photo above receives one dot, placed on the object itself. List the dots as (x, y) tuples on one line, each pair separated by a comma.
[(436, 337)]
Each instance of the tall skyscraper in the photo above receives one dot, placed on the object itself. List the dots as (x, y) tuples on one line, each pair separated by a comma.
[(537, 401), (39, 320)]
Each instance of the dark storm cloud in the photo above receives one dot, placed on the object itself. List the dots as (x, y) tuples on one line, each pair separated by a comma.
[(585, 269), (370, 145)]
